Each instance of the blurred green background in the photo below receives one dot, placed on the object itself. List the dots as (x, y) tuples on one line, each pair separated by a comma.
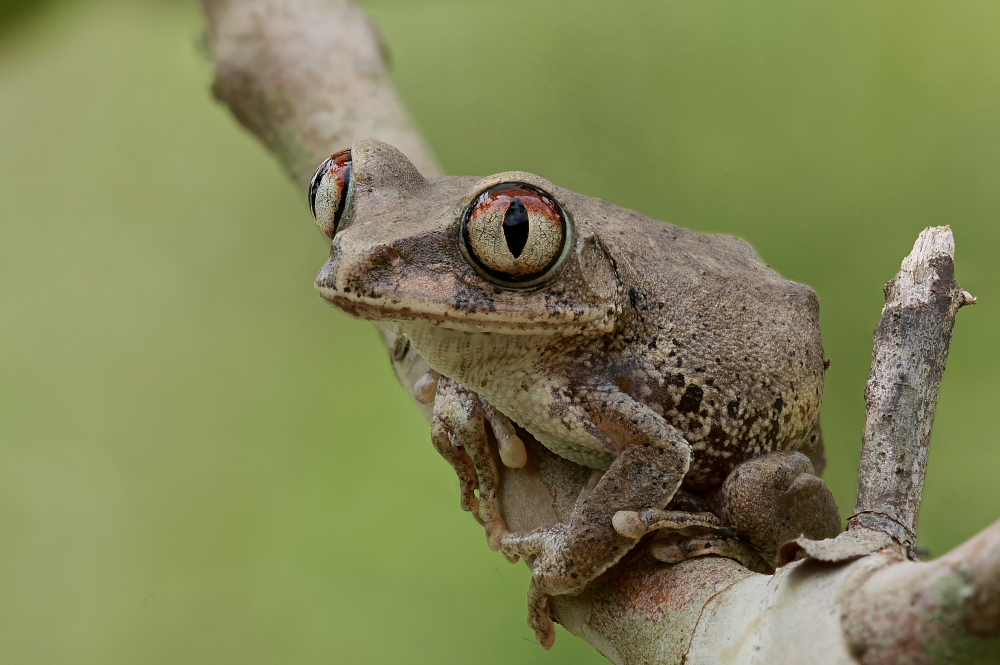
[(200, 462)]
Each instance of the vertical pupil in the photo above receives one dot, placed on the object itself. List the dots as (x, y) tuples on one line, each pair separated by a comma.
[(515, 227)]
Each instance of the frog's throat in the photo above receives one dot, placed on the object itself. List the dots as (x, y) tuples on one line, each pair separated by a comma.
[(383, 312), (465, 358)]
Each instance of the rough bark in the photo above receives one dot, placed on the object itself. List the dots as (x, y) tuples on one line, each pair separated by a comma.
[(308, 77), (911, 348)]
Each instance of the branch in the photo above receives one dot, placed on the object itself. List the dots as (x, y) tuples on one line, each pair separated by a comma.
[(308, 77), (911, 348)]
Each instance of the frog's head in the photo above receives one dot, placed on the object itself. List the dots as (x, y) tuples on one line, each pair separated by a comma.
[(510, 253)]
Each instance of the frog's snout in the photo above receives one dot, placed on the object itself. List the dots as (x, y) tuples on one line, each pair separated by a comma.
[(345, 279), (326, 279)]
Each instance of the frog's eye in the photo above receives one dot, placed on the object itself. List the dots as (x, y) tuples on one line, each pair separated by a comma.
[(328, 191), (515, 233)]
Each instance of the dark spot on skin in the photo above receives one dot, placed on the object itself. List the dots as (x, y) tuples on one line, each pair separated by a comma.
[(778, 405), (691, 399), (680, 361), (733, 408), (717, 437), (675, 380), (675, 342)]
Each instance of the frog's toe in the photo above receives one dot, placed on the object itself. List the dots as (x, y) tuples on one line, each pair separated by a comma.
[(511, 448), (540, 617), (496, 530), (632, 524)]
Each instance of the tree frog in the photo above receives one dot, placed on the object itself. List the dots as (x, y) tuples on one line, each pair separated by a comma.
[(661, 357)]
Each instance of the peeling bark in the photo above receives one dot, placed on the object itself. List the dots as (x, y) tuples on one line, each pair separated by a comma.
[(308, 77)]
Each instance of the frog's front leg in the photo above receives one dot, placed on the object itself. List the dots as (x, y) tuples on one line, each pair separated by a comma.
[(459, 434), (647, 472)]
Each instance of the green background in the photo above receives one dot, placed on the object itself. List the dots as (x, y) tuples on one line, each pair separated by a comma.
[(200, 462)]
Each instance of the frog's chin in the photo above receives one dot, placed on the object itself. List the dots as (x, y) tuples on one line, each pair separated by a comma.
[(482, 321)]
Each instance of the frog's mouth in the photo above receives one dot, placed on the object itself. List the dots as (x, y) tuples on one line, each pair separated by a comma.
[(464, 320), (442, 299)]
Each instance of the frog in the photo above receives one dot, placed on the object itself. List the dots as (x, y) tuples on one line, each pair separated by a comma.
[(664, 359)]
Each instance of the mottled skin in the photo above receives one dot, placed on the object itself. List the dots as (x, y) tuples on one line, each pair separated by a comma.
[(665, 356)]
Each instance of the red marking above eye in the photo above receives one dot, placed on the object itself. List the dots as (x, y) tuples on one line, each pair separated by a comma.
[(514, 232), (534, 200), (328, 191)]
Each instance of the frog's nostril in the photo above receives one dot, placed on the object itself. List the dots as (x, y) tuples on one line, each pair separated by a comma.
[(391, 255)]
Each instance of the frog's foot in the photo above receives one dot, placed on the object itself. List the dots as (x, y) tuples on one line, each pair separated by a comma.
[(542, 545), (459, 434), (775, 498), (553, 570)]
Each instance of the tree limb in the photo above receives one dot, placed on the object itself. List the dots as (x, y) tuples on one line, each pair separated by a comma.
[(308, 77), (911, 348)]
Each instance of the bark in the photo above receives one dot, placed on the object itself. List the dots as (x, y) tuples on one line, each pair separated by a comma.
[(308, 77), (911, 348)]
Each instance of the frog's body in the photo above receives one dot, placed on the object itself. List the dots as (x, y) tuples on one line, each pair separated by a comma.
[(739, 373), (662, 355)]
